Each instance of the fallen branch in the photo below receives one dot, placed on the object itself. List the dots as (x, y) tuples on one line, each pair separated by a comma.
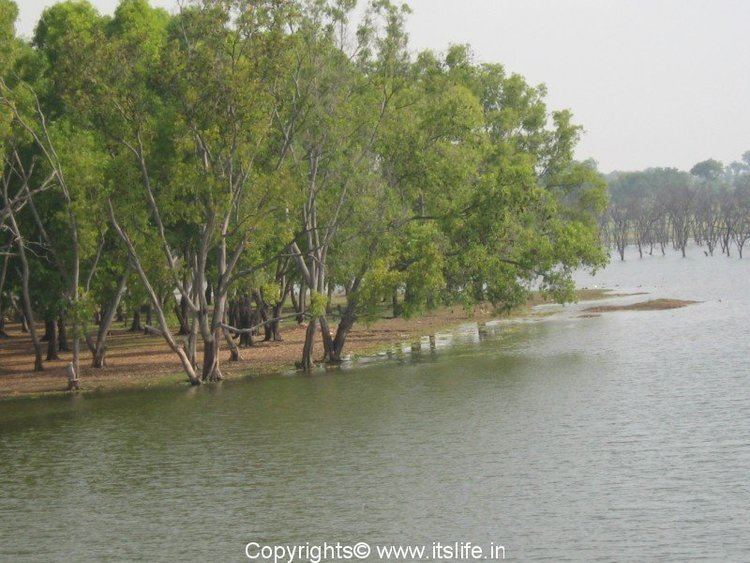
[(235, 330), (152, 331)]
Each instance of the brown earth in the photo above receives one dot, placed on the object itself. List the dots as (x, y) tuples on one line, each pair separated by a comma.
[(652, 305), (135, 360)]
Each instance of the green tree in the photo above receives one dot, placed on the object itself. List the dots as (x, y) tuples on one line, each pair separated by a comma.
[(708, 170), (198, 138)]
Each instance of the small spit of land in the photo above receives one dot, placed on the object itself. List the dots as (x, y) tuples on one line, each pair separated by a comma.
[(651, 305), (138, 360)]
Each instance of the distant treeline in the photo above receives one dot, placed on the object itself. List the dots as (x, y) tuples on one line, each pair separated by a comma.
[(204, 168), (662, 207)]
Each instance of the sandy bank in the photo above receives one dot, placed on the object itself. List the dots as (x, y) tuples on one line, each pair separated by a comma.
[(135, 360)]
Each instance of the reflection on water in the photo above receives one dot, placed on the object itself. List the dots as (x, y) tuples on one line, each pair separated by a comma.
[(468, 333), (621, 436)]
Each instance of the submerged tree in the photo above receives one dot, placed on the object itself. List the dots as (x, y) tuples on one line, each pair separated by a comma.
[(659, 205)]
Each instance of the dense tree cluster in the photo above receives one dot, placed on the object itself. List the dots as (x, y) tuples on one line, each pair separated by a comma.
[(660, 207), (203, 168)]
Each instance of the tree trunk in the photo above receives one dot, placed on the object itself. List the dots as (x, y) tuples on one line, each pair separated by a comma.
[(345, 326), (245, 314), (278, 309), (38, 364), (3, 275), (397, 308), (301, 303), (263, 312), (27, 310), (329, 299), (295, 303), (183, 315), (307, 350), (76, 350), (233, 313), (99, 359), (209, 293), (62, 335), (51, 329), (47, 334), (99, 350), (234, 351), (135, 326), (276, 324), (211, 371), (192, 344), (327, 338), (17, 314), (187, 365)]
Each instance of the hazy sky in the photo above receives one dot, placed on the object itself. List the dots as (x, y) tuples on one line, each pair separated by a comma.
[(654, 82)]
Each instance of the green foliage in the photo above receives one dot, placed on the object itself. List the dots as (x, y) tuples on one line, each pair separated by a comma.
[(80, 313), (8, 15), (272, 292), (708, 170), (9, 48), (317, 304), (228, 134)]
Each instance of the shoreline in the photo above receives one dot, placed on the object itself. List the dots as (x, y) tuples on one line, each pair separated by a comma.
[(138, 362)]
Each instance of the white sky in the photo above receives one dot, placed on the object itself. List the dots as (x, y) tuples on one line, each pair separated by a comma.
[(654, 82)]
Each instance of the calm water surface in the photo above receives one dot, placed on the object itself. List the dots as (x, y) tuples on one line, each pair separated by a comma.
[(622, 436)]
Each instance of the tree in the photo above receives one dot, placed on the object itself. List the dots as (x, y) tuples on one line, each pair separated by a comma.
[(741, 213), (8, 50), (655, 205), (345, 103), (478, 199), (211, 163), (198, 141), (708, 170)]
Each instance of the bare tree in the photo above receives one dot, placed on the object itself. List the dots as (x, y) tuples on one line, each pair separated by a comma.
[(3, 278), (21, 246)]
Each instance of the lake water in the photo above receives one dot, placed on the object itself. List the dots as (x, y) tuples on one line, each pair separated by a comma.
[(625, 436)]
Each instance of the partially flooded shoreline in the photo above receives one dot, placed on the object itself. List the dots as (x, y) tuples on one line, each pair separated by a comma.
[(143, 362)]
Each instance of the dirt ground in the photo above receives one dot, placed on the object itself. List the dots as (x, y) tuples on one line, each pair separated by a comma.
[(135, 360)]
